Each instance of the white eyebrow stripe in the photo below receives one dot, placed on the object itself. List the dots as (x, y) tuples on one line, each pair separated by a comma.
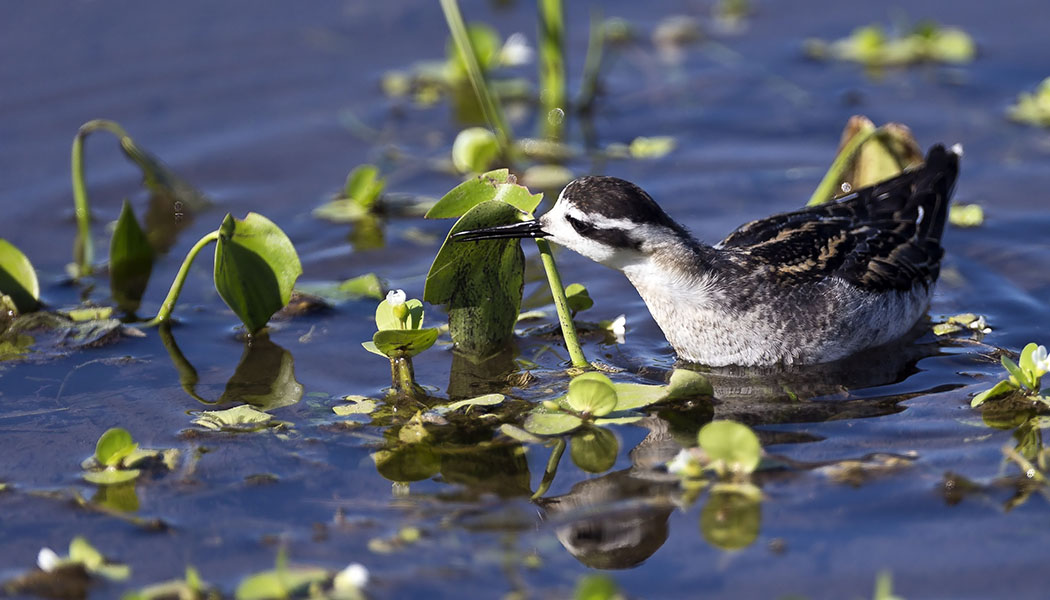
[(922, 213)]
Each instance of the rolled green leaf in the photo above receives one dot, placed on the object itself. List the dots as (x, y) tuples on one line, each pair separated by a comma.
[(592, 393), (255, 268), (114, 445), (130, 261), (18, 278)]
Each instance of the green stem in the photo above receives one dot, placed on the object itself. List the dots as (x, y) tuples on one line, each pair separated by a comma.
[(552, 67), (551, 470), (83, 247), (593, 63), (493, 112), (568, 328), (180, 278), (833, 178), (402, 374)]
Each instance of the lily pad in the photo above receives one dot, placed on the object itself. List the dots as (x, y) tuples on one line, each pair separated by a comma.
[(480, 282), (238, 418), (404, 342), (732, 446), (255, 268), (594, 449), (18, 278), (130, 261), (592, 394)]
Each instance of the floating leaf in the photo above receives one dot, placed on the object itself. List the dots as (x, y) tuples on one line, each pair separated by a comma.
[(90, 313), (255, 268), (1033, 108), (871, 46), (406, 342), (592, 393), (543, 423), (80, 551), (238, 418), (18, 278), (578, 297), (733, 445), (362, 190), (631, 396), (685, 384), (480, 282), (356, 405), (966, 215), (279, 583), (386, 320), (594, 449), (651, 147), (111, 476), (113, 445), (618, 420), (485, 400), (130, 261), (999, 390), (596, 587), (474, 150), (494, 185)]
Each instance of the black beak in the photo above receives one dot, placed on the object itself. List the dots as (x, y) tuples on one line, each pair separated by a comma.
[(524, 229)]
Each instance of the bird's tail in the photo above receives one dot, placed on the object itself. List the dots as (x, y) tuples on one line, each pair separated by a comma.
[(933, 188)]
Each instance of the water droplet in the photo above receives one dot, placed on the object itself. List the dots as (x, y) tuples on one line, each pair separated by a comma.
[(556, 116), (846, 187)]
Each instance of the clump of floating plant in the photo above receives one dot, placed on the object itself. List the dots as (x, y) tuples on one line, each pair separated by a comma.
[(358, 199), (867, 155), (190, 587), (966, 215), (873, 46), (1025, 378), (71, 574), (288, 581), (400, 335), (962, 322), (255, 269), (118, 459), (1033, 108), (172, 205)]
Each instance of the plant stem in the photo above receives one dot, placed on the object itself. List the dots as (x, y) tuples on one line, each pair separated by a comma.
[(492, 110), (551, 470), (403, 375), (568, 328), (593, 63), (83, 247), (552, 67), (180, 278), (833, 178)]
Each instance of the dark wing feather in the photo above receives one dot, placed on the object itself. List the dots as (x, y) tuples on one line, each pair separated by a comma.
[(882, 237)]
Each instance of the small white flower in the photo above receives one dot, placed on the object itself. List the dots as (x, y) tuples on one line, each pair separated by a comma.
[(680, 462), (1041, 361), (47, 560), (396, 297), (618, 327), (979, 324), (516, 51), (353, 577)]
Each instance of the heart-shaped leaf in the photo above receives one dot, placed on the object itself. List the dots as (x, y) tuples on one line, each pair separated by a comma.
[(592, 393), (130, 261), (385, 318), (578, 297), (594, 449), (255, 268), (544, 423), (113, 445), (734, 445), (494, 185), (18, 278), (410, 342)]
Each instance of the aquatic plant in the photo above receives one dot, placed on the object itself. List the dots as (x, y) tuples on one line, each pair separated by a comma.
[(19, 286), (1025, 378), (1032, 108), (118, 459), (359, 198), (400, 335), (190, 587), (872, 46)]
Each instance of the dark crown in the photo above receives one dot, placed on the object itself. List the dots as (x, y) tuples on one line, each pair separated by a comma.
[(618, 199)]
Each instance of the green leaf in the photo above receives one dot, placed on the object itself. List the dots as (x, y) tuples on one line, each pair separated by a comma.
[(90, 313), (486, 43), (519, 434), (966, 215), (238, 418), (1016, 372), (651, 147), (82, 552), (618, 418), (596, 587), (480, 282), (130, 261), (364, 185), (385, 319), (544, 423), (732, 444), (18, 278), (410, 342), (578, 297), (630, 396), (113, 445), (279, 583), (255, 268), (592, 393), (111, 476), (685, 384), (1027, 364), (485, 400), (494, 185), (594, 449), (371, 347), (1003, 388), (474, 150), (356, 405), (363, 286)]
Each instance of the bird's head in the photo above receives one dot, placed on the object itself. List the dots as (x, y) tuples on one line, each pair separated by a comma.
[(608, 220)]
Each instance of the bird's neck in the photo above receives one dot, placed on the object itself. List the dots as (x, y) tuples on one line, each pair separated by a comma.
[(676, 274)]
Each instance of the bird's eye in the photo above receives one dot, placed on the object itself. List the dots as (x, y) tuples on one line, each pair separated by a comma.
[(581, 227)]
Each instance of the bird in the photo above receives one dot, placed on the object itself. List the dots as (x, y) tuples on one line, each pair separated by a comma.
[(803, 287)]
